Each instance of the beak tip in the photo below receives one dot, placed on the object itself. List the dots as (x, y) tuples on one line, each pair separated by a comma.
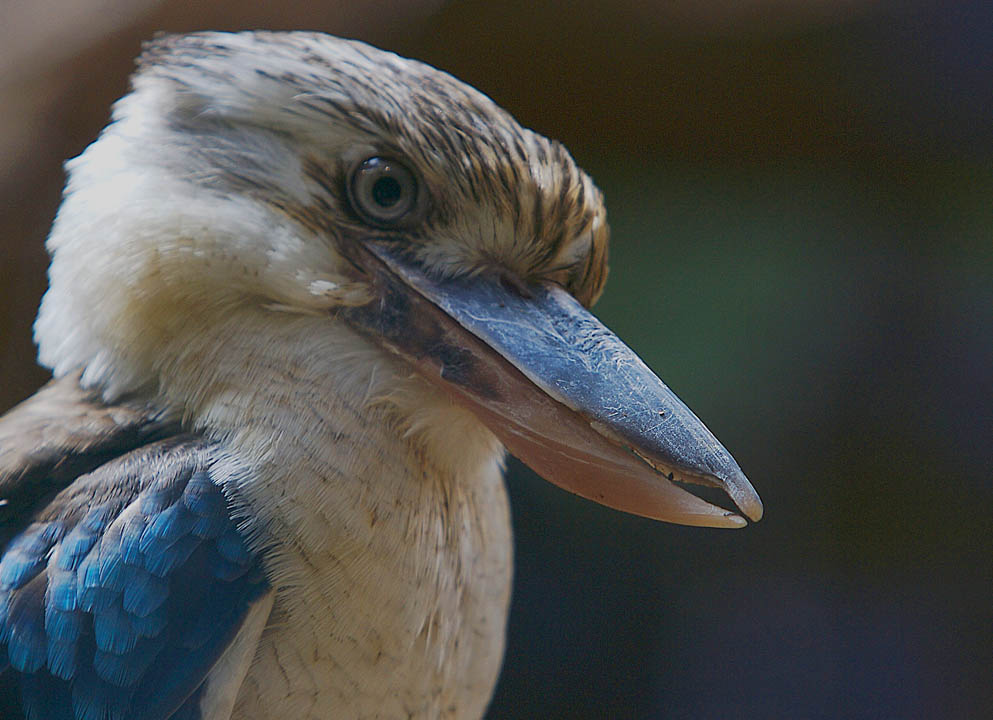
[(741, 492), (749, 503), (735, 521)]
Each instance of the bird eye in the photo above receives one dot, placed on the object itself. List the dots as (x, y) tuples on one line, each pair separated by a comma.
[(382, 191)]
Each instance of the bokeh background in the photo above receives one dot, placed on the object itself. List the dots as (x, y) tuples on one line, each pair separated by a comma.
[(800, 194)]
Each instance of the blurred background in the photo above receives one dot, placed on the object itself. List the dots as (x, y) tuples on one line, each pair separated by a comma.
[(801, 195)]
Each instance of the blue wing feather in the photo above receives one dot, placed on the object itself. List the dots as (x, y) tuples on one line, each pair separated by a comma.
[(137, 565)]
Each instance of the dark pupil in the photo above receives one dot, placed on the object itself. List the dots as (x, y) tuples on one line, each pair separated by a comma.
[(386, 192)]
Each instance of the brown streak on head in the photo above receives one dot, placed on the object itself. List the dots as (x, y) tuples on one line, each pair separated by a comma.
[(500, 193)]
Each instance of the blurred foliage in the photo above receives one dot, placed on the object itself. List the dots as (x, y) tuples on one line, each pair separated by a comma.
[(833, 349)]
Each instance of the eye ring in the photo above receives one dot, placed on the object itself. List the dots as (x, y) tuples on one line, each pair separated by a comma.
[(383, 192)]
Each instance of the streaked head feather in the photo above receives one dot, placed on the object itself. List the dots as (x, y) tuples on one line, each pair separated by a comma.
[(220, 183)]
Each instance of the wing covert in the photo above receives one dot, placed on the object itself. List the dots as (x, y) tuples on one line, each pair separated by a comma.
[(119, 595), (59, 433)]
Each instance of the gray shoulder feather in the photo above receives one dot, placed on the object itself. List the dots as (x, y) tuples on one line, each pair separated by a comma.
[(60, 433)]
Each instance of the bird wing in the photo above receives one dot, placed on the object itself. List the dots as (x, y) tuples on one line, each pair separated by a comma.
[(125, 584)]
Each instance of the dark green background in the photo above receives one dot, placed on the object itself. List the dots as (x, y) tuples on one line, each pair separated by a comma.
[(803, 249)]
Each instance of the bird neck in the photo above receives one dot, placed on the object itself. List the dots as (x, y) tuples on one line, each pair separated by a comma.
[(379, 503)]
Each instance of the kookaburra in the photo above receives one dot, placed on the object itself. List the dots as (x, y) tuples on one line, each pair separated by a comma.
[(303, 295)]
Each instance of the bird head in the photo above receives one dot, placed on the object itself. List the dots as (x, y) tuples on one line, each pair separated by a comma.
[(303, 174)]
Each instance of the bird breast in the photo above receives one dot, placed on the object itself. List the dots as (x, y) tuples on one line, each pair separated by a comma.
[(381, 512)]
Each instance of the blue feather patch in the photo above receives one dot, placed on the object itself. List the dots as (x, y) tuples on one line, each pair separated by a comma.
[(116, 601), (27, 554)]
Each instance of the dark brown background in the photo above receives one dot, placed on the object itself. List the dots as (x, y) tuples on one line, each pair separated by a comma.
[(801, 201)]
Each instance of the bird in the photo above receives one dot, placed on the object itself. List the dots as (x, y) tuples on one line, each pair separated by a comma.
[(304, 297)]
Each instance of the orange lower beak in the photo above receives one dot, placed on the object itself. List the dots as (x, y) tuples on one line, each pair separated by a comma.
[(558, 388)]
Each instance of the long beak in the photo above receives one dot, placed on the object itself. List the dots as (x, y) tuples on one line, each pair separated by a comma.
[(559, 389)]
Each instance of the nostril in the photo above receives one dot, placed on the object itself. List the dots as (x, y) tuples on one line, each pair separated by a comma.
[(513, 282)]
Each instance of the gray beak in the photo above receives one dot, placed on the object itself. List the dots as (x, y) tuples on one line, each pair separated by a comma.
[(559, 389)]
